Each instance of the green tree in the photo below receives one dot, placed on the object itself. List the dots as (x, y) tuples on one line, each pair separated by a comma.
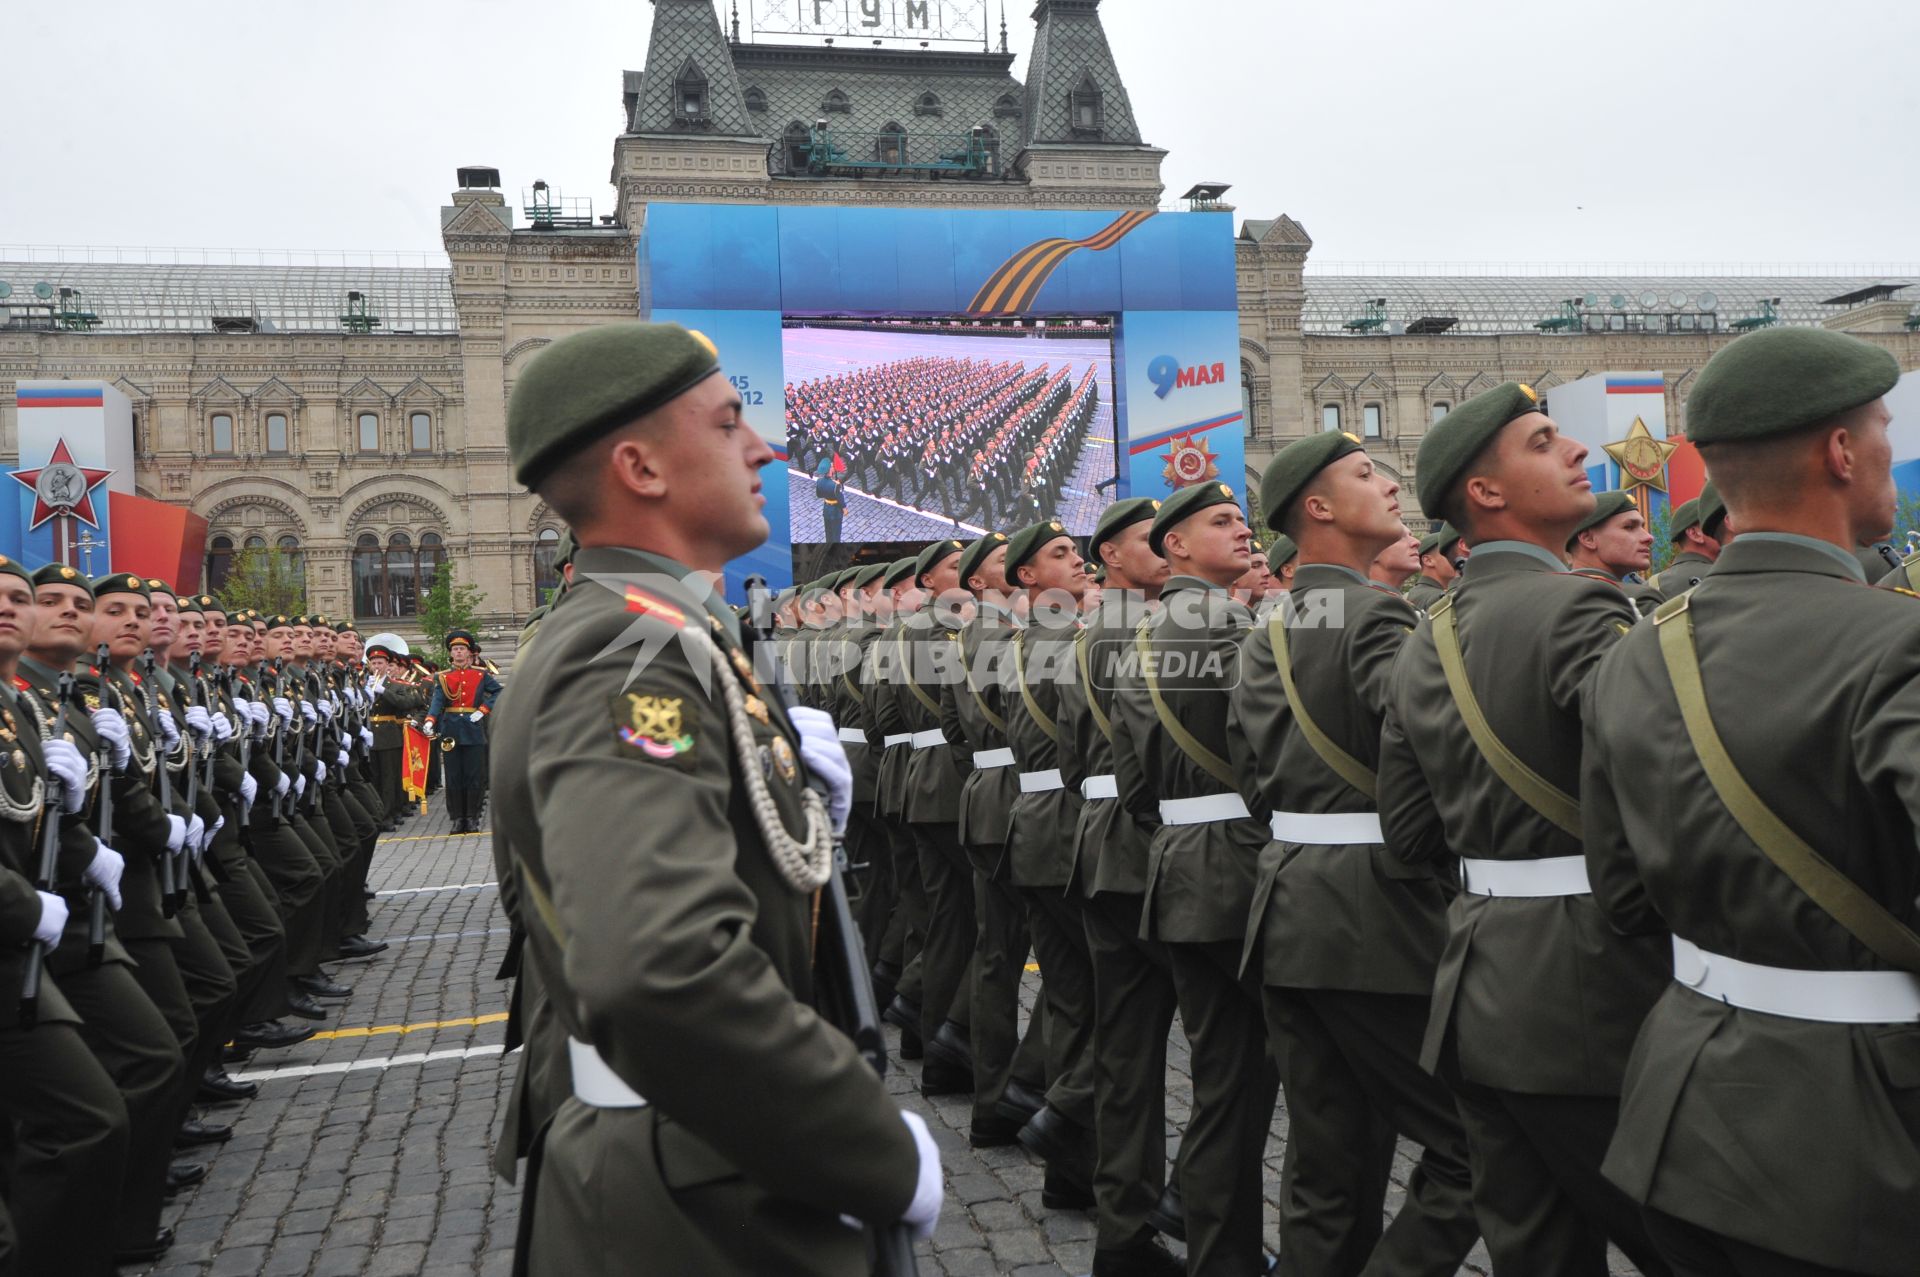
[(1661, 526), (271, 581), (447, 605)]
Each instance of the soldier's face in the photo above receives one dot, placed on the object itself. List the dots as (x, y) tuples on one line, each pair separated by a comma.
[(215, 641), (991, 575), (1873, 499), (300, 642), (1359, 499), (461, 655), (1438, 567), (278, 642), (164, 621), (378, 664), (1057, 566), (63, 621), (347, 646), (1132, 556), (16, 616), (120, 621), (190, 628), (707, 460), (1283, 579), (1215, 545), (1624, 543), (1541, 474), (1402, 558), (944, 576)]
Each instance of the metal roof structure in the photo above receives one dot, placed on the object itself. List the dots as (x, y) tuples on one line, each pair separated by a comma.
[(149, 297), (1485, 304)]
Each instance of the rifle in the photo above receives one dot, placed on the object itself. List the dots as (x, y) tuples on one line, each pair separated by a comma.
[(173, 887), (196, 764), (103, 819), (280, 736), (847, 984), (45, 881)]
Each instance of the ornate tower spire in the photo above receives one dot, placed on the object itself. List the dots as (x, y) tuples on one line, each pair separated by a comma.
[(1074, 92), (1003, 26), (736, 21)]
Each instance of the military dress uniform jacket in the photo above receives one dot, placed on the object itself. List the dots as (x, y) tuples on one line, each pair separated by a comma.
[(980, 701), (1109, 846), (669, 940), (1423, 592), (886, 701), (1346, 916), (462, 700), (1199, 876), (1643, 596), (1682, 574), (140, 826), (396, 700), (851, 706), (929, 675), (21, 766), (1793, 1135), (1545, 996), (1043, 820)]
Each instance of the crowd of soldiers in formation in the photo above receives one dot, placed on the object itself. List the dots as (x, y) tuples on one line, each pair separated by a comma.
[(968, 438), (189, 802)]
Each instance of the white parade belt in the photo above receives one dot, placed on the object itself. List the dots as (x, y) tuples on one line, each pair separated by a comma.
[(1326, 829), (1551, 876), (1100, 787), (1041, 782), (852, 736), (929, 738), (896, 738), (1834, 997), (1204, 810), (988, 759), (597, 1085)]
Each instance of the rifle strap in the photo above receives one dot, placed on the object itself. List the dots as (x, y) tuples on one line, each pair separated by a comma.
[(994, 720), (906, 674), (1041, 718), (1344, 765), (1189, 744), (1100, 718), (1837, 895), (1553, 803)]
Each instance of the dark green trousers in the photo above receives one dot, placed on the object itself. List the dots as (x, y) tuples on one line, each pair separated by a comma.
[(1354, 1082), (905, 936), (1066, 976), (951, 931), (1002, 939), (211, 989), (387, 781), (1694, 1252), (297, 880), (1543, 1204), (1234, 1091), (69, 1150), (1133, 1006)]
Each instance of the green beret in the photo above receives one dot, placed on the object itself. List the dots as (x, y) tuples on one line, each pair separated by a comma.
[(1282, 552), (210, 604), (156, 586), (1295, 465), (974, 555), (1606, 505), (843, 578), (120, 583), (280, 622), (345, 627), (1028, 541), (786, 596), (1451, 445), (897, 571), (61, 574), (931, 557), (585, 385), (187, 602), (563, 551), (1098, 573), (1438, 539), (1187, 501), (1117, 518), (1779, 380), (869, 574), (1712, 508), (13, 567), (1684, 516)]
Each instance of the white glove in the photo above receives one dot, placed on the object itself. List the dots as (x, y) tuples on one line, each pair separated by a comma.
[(299, 786), (244, 708), (249, 789), (196, 836), (343, 760), (325, 708), (222, 727), (284, 708), (376, 685), (826, 760), (53, 919), (426, 726), (923, 1212), (219, 823), (65, 764), (169, 730), (110, 727), (199, 722), (176, 833), (319, 772), (308, 712), (258, 713), (105, 872), (366, 737), (282, 785)]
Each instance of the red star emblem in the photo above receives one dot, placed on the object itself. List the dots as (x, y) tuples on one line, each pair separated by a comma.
[(62, 487)]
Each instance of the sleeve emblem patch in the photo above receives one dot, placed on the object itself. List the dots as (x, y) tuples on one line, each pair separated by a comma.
[(655, 726)]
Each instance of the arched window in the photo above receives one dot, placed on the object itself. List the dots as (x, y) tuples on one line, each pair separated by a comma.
[(929, 104), (222, 424), (1006, 107), (403, 576), (546, 574), (433, 555), (276, 432), (219, 563), (255, 542), (798, 147), (1086, 105), (420, 432), (990, 144), (690, 92), (369, 594), (369, 432), (836, 101), (1246, 398), (891, 146), (756, 98), (289, 547)]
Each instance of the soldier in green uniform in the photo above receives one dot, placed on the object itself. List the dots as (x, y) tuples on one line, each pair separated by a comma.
[(1043, 562), (563, 565), (1536, 999), (1284, 556), (1614, 544), (866, 843), (667, 848), (1343, 936), (1169, 755), (1769, 1123), (1133, 993), (1696, 527), (901, 944), (1438, 549)]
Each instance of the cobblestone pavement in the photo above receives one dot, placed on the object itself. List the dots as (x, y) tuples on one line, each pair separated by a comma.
[(366, 1153)]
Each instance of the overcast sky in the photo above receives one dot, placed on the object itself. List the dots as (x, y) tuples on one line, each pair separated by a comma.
[(1657, 131)]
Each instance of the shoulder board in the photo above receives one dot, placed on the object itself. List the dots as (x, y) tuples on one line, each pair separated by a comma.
[(1901, 589), (645, 604), (21, 684)]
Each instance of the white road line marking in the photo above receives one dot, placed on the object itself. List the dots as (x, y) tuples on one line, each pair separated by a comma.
[(415, 891), (353, 1066), (447, 935)]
